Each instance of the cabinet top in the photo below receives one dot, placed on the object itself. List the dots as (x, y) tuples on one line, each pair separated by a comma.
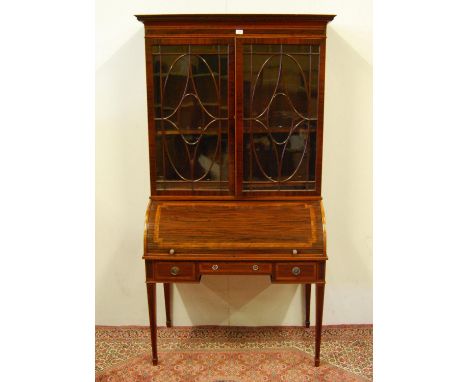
[(235, 18)]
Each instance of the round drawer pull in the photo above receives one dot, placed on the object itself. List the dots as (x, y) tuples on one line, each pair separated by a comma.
[(175, 271), (294, 251), (255, 267), (171, 251), (215, 267), (296, 271)]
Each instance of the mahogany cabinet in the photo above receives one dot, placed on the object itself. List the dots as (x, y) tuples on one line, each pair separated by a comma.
[(235, 133)]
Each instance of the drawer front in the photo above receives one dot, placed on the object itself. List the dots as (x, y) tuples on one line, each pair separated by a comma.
[(175, 271), (295, 272), (233, 268)]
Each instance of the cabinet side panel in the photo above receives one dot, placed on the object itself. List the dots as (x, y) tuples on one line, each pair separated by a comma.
[(320, 107), (149, 100)]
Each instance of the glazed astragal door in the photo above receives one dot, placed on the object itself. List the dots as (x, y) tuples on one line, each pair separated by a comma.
[(192, 115), (280, 115)]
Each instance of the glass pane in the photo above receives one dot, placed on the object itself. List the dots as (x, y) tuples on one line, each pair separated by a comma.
[(191, 116), (194, 49), (280, 116), (285, 48), (279, 160)]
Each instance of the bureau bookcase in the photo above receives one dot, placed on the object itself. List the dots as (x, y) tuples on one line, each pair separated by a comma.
[(235, 133)]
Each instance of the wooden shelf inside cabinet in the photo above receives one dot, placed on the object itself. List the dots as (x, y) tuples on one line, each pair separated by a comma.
[(235, 132)]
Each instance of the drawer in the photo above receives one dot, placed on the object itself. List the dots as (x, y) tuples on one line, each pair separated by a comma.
[(235, 268), (295, 272), (174, 271)]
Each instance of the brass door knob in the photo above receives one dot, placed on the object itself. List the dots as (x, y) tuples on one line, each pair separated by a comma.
[(255, 267), (296, 271), (171, 251), (215, 267), (175, 271)]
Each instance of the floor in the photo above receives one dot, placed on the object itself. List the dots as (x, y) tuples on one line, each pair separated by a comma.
[(234, 354)]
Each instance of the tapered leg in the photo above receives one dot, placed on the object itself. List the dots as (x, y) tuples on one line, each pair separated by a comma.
[(151, 290), (307, 305), (167, 303), (319, 294)]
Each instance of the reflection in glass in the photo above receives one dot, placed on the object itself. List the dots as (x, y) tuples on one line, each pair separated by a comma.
[(280, 116), (191, 116)]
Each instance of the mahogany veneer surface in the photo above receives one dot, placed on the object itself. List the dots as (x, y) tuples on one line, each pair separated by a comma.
[(235, 226), (261, 212)]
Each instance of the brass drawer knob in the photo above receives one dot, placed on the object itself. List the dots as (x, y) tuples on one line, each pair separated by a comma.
[(175, 271), (294, 251), (296, 271), (171, 251), (215, 267), (255, 267)]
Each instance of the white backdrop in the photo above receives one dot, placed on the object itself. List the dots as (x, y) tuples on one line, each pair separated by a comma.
[(122, 176)]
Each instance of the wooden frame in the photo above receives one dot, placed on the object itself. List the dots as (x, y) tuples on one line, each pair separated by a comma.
[(276, 233), (206, 29), (189, 40), (240, 41)]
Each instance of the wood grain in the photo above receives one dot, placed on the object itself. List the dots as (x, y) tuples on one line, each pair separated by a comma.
[(235, 268), (186, 272), (307, 288), (189, 233), (241, 226), (284, 272), (168, 304), (151, 293), (221, 29)]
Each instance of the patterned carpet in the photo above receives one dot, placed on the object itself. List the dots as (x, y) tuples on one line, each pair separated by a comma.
[(234, 354)]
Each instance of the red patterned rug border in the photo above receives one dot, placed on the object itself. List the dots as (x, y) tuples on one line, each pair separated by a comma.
[(346, 346), (337, 326), (266, 350), (140, 357)]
